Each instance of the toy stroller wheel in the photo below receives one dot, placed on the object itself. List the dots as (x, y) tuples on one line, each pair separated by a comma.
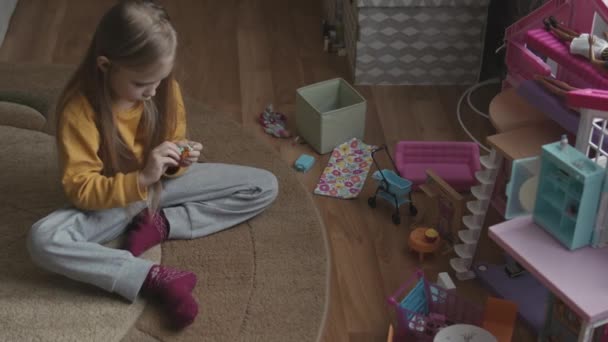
[(413, 210), (372, 202), (396, 218)]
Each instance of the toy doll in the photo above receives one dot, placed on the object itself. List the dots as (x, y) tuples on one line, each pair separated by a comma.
[(587, 45)]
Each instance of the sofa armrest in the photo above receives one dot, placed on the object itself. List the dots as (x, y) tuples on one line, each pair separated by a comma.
[(34, 85), (447, 188)]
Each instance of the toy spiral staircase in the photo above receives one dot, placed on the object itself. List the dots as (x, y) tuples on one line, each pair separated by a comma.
[(478, 208)]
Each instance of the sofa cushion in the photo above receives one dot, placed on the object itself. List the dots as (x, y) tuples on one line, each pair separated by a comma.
[(20, 116)]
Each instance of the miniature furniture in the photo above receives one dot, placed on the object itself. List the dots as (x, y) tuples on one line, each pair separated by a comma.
[(418, 243), (568, 195), (423, 309), (518, 137), (499, 318), (450, 205), (525, 290), (533, 51), (509, 110), (464, 332), (456, 162), (577, 278)]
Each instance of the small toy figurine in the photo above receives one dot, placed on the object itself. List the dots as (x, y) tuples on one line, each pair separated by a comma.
[(587, 45), (184, 152), (274, 123)]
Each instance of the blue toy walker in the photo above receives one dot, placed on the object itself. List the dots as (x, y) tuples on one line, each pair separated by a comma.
[(392, 187)]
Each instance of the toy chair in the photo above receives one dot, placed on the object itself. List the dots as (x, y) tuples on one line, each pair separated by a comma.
[(454, 161), (450, 205), (423, 308), (499, 318)]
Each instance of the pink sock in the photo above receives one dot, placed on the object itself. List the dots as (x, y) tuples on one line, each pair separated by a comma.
[(173, 288), (148, 230)]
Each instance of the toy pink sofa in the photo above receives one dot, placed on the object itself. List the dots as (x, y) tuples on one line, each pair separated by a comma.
[(454, 161)]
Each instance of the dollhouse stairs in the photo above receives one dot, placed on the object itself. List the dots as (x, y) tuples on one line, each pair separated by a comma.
[(473, 223)]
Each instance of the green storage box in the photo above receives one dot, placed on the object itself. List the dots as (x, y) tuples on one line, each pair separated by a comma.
[(329, 113)]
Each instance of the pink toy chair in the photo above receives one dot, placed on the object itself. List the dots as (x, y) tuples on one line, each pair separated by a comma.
[(454, 161)]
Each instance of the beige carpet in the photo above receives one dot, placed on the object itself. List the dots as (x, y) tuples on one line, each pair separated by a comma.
[(265, 280)]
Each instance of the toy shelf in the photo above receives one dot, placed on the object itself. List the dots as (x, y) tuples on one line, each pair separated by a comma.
[(568, 195)]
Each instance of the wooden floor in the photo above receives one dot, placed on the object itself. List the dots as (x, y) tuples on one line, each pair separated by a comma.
[(240, 55)]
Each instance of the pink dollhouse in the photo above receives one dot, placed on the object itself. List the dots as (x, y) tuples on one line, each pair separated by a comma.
[(531, 51)]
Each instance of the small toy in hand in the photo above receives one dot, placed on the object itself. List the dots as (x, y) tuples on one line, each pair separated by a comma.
[(184, 152)]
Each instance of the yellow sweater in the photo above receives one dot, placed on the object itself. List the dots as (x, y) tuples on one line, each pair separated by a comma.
[(80, 166)]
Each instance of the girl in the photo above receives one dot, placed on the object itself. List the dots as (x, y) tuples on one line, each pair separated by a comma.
[(121, 124)]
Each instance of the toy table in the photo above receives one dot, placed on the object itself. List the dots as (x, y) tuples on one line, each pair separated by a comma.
[(418, 243), (464, 333), (578, 278)]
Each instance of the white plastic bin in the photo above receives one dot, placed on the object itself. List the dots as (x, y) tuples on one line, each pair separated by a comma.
[(329, 113)]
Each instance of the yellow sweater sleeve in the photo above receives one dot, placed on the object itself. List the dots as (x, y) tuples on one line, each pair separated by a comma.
[(180, 130), (81, 168)]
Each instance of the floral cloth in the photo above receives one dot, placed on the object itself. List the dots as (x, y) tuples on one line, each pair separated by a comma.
[(346, 171)]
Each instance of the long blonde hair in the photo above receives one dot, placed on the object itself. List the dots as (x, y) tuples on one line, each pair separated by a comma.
[(132, 34)]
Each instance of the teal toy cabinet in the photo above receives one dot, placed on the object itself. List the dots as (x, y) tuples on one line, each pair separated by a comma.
[(568, 195)]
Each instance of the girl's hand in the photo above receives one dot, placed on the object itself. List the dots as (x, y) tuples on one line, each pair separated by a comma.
[(193, 152), (161, 157)]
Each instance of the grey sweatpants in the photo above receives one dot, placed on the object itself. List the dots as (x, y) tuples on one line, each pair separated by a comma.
[(206, 199)]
